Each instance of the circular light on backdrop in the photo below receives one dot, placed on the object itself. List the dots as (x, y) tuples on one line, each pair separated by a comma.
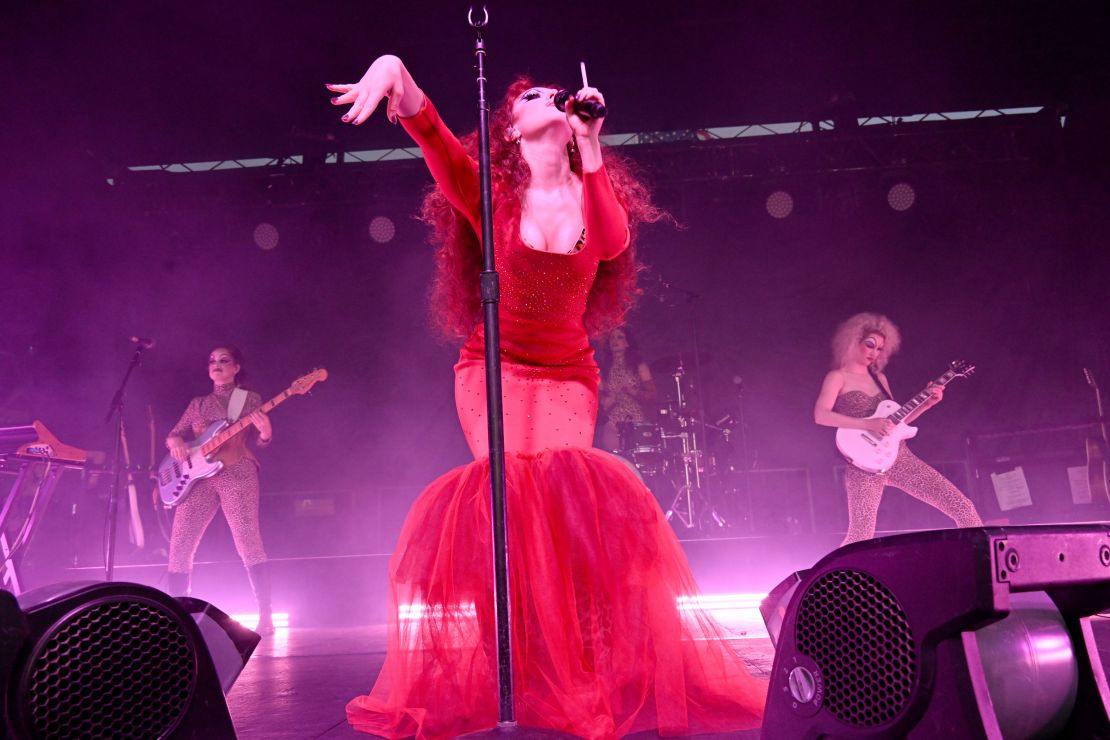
[(266, 236), (901, 196), (382, 229), (780, 204)]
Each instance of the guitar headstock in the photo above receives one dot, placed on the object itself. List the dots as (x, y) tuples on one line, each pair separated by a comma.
[(304, 384), (961, 369), (1090, 378)]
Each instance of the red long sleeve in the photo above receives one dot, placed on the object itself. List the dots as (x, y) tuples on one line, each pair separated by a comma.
[(454, 171), (605, 219)]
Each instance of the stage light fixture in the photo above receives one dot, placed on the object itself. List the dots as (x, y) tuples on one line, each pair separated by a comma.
[(266, 236), (737, 612), (780, 204), (250, 620), (382, 229), (901, 196)]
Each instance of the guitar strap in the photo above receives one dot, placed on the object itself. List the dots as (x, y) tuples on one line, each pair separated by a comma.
[(875, 377), (235, 404)]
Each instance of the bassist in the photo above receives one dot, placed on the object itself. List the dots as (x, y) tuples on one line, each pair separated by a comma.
[(235, 489)]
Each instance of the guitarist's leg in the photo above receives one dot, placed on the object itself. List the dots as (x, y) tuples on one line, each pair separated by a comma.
[(239, 499), (239, 496), (865, 490), (924, 482), (190, 519)]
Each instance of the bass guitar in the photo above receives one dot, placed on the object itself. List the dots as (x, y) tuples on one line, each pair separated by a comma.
[(875, 454), (1096, 446), (176, 479)]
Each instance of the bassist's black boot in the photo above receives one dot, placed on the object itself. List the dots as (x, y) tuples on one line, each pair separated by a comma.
[(179, 584), (259, 576)]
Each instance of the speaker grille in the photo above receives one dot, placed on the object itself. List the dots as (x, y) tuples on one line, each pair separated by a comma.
[(858, 635), (117, 669)]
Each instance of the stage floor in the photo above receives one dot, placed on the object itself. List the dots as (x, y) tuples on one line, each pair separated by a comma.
[(298, 681)]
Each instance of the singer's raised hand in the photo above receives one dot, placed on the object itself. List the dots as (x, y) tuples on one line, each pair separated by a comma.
[(387, 78), (585, 127), (586, 131)]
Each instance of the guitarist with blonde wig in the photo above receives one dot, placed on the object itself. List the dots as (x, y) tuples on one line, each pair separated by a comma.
[(850, 395)]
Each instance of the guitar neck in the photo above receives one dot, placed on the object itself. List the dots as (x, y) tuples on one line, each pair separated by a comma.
[(914, 403), (235, 429), (1101, 415), (1090, 376)]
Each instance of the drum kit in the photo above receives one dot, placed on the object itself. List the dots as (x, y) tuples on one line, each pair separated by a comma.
[(686, 461)]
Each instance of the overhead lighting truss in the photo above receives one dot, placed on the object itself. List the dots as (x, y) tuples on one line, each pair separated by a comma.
[(741, 151)]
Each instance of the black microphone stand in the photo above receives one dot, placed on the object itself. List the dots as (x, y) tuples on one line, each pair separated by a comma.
[(745, 452), (116, 408), (490, 292)]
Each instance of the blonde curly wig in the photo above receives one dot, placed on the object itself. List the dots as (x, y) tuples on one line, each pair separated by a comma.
[(859, 326)]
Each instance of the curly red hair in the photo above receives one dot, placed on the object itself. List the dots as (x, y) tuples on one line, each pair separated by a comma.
[(454, 298)]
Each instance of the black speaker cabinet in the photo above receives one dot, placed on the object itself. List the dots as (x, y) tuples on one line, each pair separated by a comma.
[(954, 634), (114, 660)]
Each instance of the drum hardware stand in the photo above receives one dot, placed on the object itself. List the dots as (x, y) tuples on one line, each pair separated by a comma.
[(683, 505), (745, 453)]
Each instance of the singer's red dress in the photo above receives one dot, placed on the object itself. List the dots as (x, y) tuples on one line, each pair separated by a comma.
[(601, 647)]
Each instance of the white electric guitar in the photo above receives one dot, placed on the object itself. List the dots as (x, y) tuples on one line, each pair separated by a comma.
[(176, 479), (875, 454)]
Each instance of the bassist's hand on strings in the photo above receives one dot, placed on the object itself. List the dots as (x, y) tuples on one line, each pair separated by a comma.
[(178, 449)]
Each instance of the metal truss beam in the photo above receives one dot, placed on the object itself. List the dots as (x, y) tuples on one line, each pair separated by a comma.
[(753, 149)]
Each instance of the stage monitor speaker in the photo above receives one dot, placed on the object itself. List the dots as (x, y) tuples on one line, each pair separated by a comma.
[(117, 660), (959, 633)]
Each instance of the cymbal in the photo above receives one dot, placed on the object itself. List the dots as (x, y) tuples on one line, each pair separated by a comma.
[(669, 364)]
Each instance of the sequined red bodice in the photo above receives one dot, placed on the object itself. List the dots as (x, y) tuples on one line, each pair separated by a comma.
[(543, 294), (545, 285)]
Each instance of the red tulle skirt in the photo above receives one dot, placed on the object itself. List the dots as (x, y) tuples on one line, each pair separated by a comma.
[(600, 646)]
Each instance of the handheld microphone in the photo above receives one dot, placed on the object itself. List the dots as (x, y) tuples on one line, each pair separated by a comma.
[(582, 108), (143, 342)]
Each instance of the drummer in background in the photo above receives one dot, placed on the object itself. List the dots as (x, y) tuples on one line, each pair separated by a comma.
[(626, 385)]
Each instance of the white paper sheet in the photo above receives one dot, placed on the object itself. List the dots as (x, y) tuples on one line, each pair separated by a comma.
[(1011, 489)]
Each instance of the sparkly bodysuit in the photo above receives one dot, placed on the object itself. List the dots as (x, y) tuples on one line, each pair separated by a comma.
[(909, 472), (624, 383), (235, 489), (599, 646)]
